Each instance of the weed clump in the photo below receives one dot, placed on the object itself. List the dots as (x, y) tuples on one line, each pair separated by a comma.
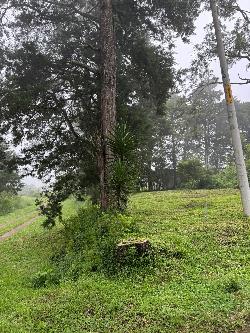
[(232, 286), (45, 278)]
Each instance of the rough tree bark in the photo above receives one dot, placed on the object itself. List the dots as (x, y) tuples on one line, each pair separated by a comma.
[(232, 118), (108, 95)]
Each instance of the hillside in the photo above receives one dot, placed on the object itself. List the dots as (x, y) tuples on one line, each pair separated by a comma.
[(202, 284)]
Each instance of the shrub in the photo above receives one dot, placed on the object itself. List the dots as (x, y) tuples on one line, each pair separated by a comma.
[(124, 171), (192, 174), (227, 178), (232, 286), (8, 202), (90, 241), (45, 278)]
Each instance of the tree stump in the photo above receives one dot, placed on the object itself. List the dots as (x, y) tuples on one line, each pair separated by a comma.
[(141, 247)]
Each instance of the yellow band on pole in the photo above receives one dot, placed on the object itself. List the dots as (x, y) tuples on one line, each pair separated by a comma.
[(229, 94)]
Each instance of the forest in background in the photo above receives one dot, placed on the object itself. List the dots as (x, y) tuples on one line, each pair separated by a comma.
[(61, 69)]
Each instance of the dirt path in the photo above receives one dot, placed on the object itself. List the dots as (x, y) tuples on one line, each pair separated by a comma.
[(2, 225), (16, 229)]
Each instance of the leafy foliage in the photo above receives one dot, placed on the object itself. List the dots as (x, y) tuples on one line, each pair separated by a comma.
[(10, 181), (8, 202), (89, 242), (124, 166), (236, 36), (226, 178), (50, 205), (50, 93), (191, 173)]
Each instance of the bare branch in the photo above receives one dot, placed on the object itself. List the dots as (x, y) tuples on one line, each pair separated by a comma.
[(243, 12), (4, 11), (203, 86), (247, 81)]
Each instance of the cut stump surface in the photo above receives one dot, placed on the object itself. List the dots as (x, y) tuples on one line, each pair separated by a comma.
[(141, 246)]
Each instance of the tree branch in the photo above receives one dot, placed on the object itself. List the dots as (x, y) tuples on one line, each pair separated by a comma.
[(207, 84), (242, 56), (247, 81), (4, 11), (85, 15), (85, 66), (243, 12), (71, 127)]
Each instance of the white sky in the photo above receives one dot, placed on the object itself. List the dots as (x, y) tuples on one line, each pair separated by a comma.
[(184, 55), (31, 181)]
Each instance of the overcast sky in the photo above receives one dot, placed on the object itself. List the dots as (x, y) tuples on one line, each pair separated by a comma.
[(184, 55)]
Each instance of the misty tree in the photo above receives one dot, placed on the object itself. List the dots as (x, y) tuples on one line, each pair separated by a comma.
[(236, 39), (10, 181), (53, 85), (205, 109)]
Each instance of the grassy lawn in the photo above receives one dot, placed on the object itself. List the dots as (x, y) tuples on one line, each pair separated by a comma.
[(26, 212), (202, 285)]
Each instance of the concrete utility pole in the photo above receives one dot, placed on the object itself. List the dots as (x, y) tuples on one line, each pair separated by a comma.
[(232, 117)]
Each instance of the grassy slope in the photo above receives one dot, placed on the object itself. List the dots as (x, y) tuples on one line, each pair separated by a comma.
[(206, 240), (26, 212)]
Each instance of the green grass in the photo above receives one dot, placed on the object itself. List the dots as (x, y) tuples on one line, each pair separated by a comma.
[(25, 212), (201, 286)]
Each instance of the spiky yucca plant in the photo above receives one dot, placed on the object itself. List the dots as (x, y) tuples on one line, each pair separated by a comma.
[(124, 171)]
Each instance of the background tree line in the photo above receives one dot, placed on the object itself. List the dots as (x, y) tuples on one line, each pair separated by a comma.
[(192, 146)]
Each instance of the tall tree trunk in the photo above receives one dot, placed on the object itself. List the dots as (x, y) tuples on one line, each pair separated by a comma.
[(206, 143), (238, 152), (174, 162), (150, 178), (108, 95)]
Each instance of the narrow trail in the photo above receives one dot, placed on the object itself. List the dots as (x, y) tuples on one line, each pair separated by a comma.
[(17, 229), (2, 225)]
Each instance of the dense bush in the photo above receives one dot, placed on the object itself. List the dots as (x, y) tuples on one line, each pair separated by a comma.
[(226, 178), (8, 202), (90, 240), (123, 174), (189, 173), (192, 174)]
